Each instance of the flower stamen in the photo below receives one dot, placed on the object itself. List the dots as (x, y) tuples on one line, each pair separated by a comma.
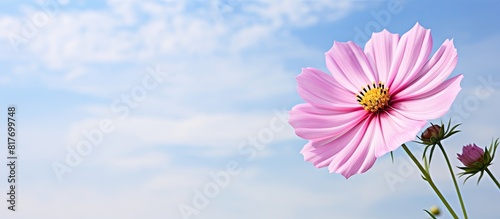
[(374, 99)]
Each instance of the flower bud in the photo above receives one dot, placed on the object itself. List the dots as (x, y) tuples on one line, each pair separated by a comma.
[(431, 134), (435, 210), (471, 155), (476, 160)]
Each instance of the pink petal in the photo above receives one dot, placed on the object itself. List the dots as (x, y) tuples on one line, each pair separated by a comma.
[(380, 50), (358, 156), (435, 71), (349, 66), (369, 140), (323, 156), (379, 142), (395, 129), (320, 89), (411, 55), (430, 105), (323, 125)]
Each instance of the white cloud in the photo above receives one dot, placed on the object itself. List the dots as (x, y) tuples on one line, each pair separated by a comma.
[(74, 74), (8, 24), (224, 131), (138, 162), (127, 203), (300, 13), (132, 30), (101, 51)]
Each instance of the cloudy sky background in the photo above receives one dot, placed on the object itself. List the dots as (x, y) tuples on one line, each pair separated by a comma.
[(186, 86)]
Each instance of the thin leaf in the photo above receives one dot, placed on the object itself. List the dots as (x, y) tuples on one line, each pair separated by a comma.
[(469, 177), (480, 176), (425, 152), (432, 152), (430, 214), (493, 148)]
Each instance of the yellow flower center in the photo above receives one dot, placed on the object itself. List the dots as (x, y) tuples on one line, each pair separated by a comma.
[(375, 98)]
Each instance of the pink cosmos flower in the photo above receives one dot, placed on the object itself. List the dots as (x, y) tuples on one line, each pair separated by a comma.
[(374, 100), (470, 155)]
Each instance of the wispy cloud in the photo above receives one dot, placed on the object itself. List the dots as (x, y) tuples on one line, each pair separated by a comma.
[(225, 66)]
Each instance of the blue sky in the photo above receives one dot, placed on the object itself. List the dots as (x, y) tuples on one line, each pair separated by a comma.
[(182, 88)]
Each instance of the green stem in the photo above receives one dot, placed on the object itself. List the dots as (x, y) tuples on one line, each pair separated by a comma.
[(492, 177), (454, 180), (429, 180)]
